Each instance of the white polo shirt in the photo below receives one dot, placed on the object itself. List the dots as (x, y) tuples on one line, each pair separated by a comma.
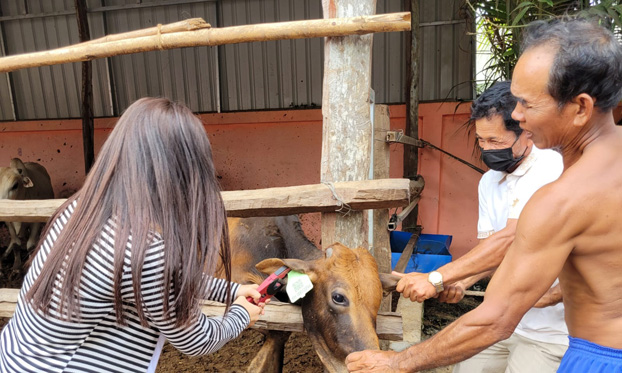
[(502, 196)]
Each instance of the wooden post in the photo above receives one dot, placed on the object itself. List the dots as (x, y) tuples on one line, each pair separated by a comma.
[(381, 247), (346, 132), (88, 125), (412, 317), (411, 154), (412, 312)]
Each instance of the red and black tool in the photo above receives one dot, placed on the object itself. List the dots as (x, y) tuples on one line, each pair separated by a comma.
[(270, 285)]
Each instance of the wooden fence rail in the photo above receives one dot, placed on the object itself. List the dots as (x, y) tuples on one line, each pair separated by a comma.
[(278, 316), (356, 195)]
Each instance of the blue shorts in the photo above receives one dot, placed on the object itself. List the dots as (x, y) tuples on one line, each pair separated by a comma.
[(583, 356)]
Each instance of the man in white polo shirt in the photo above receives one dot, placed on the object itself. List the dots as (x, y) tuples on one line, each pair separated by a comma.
[(517, 170)]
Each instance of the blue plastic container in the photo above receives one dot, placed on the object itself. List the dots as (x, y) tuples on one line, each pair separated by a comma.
[(430, 253)]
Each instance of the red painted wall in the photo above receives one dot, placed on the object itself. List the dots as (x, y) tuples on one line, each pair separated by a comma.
[(282, 148)]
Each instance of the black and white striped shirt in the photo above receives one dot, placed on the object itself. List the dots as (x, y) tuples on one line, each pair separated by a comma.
[(31, 342)]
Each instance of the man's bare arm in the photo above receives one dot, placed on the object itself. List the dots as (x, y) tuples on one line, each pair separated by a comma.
[(454, 293), (469, 281), (550, 298), (533, 262), (486, 256)]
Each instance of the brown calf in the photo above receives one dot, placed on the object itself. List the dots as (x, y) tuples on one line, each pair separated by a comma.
[(339, 313)]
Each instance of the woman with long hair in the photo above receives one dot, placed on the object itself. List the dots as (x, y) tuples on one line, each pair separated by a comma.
[(124, 263)]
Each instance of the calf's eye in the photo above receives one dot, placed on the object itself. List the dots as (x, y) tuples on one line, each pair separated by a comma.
[(340, 299)]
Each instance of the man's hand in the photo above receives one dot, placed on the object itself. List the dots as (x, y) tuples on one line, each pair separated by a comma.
[(373, 361), (415, 286), (452, 294)]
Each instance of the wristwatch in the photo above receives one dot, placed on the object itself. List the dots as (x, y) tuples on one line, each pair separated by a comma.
[(435, 278)]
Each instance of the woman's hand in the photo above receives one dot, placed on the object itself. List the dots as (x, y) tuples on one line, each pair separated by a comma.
[(249, 291), (254, 311)]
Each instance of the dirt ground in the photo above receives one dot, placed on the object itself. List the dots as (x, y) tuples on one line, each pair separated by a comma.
[(235, 356)]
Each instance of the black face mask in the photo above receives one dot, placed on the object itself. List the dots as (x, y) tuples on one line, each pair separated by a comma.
[(501, 159)]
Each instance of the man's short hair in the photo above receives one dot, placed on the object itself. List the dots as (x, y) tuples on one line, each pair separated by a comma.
[(496, 100), (588, 60)]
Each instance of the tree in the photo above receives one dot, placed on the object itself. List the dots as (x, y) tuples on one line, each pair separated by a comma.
[(501, 23)]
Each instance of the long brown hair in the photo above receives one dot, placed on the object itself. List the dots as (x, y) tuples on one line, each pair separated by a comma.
[(154, 173)]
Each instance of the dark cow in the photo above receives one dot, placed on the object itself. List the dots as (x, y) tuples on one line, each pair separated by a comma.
[(24, 181), (340, 311)]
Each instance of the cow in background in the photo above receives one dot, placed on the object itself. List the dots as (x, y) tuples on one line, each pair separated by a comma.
[(23, 181), (339, 313)]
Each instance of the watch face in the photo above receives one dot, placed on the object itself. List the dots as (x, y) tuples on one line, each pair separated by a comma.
[(435, 277)]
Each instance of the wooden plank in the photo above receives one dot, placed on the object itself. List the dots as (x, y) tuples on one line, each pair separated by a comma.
[(381, 245), (278, 316), (412, 313), (8, 295), (359, 195), (211, 37)]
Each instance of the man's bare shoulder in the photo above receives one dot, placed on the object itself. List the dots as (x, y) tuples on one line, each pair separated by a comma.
[(556, 211)]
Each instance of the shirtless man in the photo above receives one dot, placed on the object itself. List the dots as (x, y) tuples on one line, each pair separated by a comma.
[(567, 81)]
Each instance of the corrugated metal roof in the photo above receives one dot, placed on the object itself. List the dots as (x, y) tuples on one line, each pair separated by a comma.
[(248, 76), (276, 74), (49, 91), (446, 54), (389, 60), (6, 96), (188, 75)]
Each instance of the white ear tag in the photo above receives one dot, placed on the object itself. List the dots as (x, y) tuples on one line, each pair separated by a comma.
[(298, 285)]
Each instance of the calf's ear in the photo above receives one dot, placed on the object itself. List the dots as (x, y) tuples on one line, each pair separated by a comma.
[(27, 182), (389, 282), (269, 266)]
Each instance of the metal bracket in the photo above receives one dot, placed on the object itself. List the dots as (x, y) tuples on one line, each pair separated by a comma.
[(399, 137), (395, 219)]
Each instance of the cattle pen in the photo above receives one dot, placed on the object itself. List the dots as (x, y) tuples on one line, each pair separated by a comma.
[(354, 157)]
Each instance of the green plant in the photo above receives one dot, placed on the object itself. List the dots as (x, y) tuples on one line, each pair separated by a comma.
[(500, 24)]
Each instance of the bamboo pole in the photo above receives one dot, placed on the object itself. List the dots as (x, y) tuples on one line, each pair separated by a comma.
[(212, 36), (185, 25), (359, 195)]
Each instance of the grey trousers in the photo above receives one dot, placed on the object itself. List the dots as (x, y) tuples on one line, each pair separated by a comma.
[(516, 354)]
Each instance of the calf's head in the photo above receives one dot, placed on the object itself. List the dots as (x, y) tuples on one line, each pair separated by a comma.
[(14, 181), (340, 311)]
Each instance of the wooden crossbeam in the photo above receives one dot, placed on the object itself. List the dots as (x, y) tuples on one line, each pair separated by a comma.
[(278, 316), (212, 36), (358, 195)]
